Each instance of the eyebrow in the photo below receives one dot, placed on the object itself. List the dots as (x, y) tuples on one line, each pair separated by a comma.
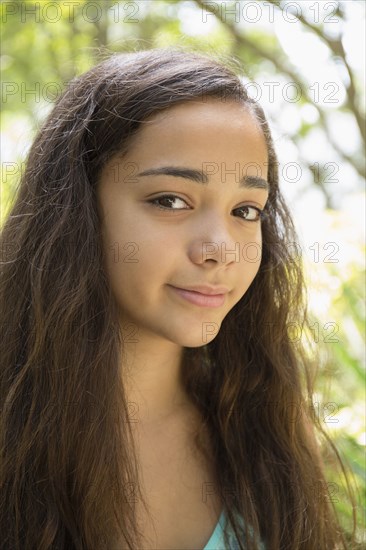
[(250, 182)]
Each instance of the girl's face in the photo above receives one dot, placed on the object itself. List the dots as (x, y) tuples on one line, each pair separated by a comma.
[(204, 233)]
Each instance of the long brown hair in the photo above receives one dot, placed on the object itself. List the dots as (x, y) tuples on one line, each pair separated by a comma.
[(69, 474)]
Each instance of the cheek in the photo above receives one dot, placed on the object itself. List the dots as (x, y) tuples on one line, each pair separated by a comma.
[(250, 260), (134, 268), (249, 274), (251, 255), (120, 243)]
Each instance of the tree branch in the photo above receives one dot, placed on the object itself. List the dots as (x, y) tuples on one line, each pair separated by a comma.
[(336, 47)]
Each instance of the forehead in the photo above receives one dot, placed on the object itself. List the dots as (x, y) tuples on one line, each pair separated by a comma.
[(208, 128)]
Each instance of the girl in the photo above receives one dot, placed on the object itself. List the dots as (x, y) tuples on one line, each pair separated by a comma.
[(149, 396)]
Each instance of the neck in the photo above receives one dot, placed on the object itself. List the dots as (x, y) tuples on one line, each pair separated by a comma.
[(152, 380)]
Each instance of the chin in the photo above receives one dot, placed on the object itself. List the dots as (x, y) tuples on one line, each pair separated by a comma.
[(196, 340)]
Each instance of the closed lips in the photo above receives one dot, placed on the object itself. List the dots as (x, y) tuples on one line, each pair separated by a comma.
[(207, 291)]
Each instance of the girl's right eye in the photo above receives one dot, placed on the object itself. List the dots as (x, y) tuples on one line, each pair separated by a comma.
[(167, 198)]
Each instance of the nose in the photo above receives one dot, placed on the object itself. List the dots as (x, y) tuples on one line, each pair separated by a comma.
[(213, 242)]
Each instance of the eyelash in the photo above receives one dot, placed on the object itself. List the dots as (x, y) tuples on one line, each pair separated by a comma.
[(153, 203)]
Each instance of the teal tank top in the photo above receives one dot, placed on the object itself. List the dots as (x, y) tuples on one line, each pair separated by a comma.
[(216, 541)]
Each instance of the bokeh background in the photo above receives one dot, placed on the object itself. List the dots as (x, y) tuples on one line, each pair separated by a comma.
[(304, 62)]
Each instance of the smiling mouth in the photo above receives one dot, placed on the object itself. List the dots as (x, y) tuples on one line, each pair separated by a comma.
[(206, 289), (200, 299)]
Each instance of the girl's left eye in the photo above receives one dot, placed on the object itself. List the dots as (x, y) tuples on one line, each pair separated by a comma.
[(258, 214), (255, 216)]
